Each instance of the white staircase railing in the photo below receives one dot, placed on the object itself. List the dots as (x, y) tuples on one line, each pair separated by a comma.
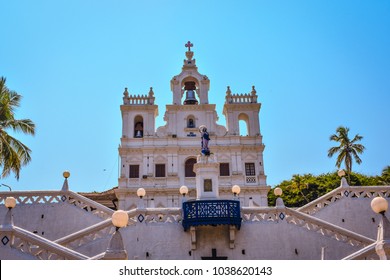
[(310, 223), (344, 192), (55, 197), (105, 228), (326, 229), (67, 246), (39, 247), (85, 236)]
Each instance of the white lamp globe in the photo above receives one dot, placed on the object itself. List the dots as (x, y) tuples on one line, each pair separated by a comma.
[(183, 190), (278, 191), (10, 202), (236, 189), (379, 205), (341, 173), (120, 218), (141, 192)]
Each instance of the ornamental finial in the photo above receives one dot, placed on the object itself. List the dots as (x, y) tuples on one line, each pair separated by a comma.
[(228, 91), (189, 45), (253, 90), (126, 93)]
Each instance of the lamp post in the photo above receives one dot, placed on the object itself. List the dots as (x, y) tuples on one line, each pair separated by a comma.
[(183, 191), (341, 174), (236, 191), (380, 205), (10, 203), (116, 249), (278, 191), (279, 201), (141, 193), (65, 186)]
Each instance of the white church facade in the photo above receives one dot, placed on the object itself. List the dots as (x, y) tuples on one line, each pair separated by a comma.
[(193, 189), (162, 159)]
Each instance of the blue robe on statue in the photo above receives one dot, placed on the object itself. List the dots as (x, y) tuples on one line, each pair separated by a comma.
[(205, 142)]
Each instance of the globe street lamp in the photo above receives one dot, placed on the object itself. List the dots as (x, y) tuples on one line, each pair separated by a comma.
[(341, 174), (278, 191), (10, 203), (379, 205), (236, 191), (279, 201), (120, 219), (116, 250), (382, 247), (141, 193), (183, 191), (66, 175)]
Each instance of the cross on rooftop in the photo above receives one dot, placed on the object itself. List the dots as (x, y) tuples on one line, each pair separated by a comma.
[(189, 45)]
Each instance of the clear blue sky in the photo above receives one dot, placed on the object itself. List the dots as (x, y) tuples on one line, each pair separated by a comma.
[(315, 64)]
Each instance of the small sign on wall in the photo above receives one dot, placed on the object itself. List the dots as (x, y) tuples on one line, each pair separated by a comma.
[(207, 185)]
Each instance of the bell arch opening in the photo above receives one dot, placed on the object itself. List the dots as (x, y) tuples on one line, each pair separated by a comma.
[(138, 127), (243, 124), (190, 91)]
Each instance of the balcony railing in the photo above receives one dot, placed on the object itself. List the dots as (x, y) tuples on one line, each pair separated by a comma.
[(211, 212), (250, 179)]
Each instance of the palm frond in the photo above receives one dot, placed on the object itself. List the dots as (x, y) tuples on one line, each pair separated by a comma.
[(356, 157), (340, 159), (359, 148), (25, 125), (333, 150), (357, 138), (13, 153)]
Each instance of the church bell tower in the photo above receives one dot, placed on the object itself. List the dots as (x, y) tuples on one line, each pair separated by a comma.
[(164, 158)]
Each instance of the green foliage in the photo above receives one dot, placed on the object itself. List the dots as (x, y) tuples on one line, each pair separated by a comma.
[(348, 150), (317, 186), (385, 177), (13, 153)]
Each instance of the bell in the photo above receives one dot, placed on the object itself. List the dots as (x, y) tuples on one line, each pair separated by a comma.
[(138, 135), (190, 98), (189, 87)]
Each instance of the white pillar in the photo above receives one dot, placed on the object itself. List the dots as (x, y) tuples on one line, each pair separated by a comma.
[(207, 184)]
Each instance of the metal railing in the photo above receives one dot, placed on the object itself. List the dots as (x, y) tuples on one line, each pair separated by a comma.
[(211, 212)]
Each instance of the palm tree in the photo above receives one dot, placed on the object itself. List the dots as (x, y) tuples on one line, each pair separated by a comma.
[(385, 177), (347, 150), (13, 153), (298, 184)]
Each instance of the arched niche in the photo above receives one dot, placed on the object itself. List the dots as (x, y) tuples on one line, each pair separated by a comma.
[(191, 122)]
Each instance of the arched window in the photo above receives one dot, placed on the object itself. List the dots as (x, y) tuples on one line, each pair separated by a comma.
[(138, 127), (189, 167), (243, 123)]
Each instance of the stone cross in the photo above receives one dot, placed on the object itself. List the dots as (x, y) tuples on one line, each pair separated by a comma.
[(189, 45)]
